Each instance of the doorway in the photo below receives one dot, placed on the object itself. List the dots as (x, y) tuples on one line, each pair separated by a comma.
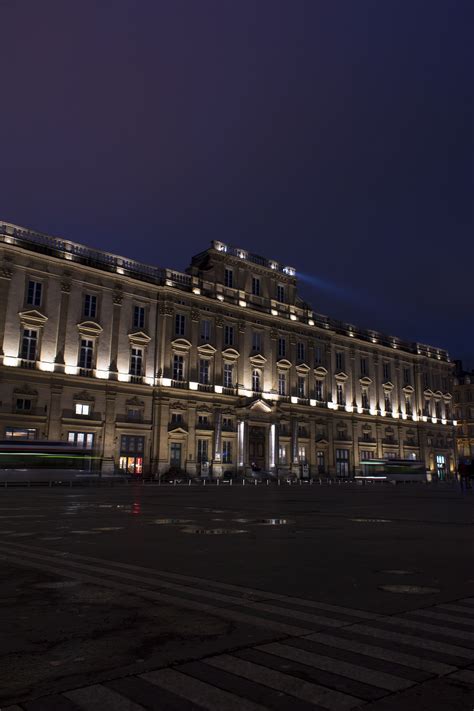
[(257, 448)]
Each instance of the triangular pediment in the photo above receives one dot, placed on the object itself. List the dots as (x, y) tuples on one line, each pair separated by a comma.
[(206, 350), (303, 368), (260, 406), (341, 375), (139, 338), (89, 328), (178, 430), (32, 318), (258, 359)]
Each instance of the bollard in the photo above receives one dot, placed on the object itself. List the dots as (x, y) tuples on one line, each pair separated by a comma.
[(243, 482), (267, 482), (230, 483), (217, 482), (279, 482), (300, 482), (255, 482), (189, 482), (204, 483), (174, 482)]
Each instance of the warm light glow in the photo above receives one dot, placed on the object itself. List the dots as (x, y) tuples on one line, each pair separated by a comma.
[(313, 403), (293, 317), (310, 322), (245, 392), (395, 415), (383, 413), (48, 367), (102, 374), (289, 270), (168, 282), (444, 422), (166, 382), (241, 443), (331, 406), (294, 400), (455, 422), (196, 290), (10, 361), (360, 410), (351, 334), (124, 377), (348, 408), (272, 445), (220, 297), (242, 303), (374, 340), (192, 386), (404, 415), (414, 417), (120, 270), (373, 411), (70, 369), (424, 418), (433, 420), (274, 312), (218, 388)]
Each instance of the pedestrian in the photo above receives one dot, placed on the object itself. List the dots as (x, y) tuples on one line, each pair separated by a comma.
[(463, 475)]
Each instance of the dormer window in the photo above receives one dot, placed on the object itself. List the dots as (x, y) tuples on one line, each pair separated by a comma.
[(229, 278)]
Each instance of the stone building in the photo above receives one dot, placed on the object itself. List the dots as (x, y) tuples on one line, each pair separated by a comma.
[(224, 363), (463, 392)]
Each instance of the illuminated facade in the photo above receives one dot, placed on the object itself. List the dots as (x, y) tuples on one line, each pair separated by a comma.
[(223, 364), (464, 411)]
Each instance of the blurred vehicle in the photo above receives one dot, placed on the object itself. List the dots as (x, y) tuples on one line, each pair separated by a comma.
[(392, 470), (43, 461)]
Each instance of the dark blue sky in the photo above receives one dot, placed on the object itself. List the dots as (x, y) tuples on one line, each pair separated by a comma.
[(332, 135)]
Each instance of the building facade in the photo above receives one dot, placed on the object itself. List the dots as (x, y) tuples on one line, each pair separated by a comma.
[(223, 364), (463, 392)]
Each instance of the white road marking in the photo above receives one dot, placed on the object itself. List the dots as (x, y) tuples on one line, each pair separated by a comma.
[(435, 629), (408, 660), (305, 690), (434, 614), (414, 641), (199, 692), (338, 666)]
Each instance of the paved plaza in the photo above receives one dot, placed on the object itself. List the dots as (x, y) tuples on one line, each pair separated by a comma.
[(255, 597)]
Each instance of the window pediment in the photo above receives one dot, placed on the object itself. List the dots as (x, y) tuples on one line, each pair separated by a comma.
[(83, 396), (139, 338), (135, 401), (388, 386), (438, 394), (448, 396), (178, 430), (260, 406), (408, 389), (366, 381), (341, 376), (206, 350), (428, 392), (25, 390), (320, 371), (32, 318), (258, 359), (89, 328), (230, 354), (181, 345), (283, 364), (303, 369)]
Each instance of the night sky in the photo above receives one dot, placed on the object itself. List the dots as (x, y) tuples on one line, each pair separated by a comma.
[(332, 135)]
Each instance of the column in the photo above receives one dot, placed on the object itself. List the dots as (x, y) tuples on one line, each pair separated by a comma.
[(54, 419), (378, 435), (62, 326), (313, 465), (294, 446), (217, 459), (193, 368), (108, 453), (377, 383), (192, 445), (117, 304), (155, 433), (5, 278), (272, 447)]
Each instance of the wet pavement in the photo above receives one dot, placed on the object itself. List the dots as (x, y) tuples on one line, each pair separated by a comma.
[(106, 584)]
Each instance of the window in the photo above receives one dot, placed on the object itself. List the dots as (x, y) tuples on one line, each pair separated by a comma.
[(29, 344), (340, 395), (203, 420), (388, 402), (257, 341), (226, 452), (256, 381), (447, 411), (81, 439), (176, 418), (90, 305), (342, 462), (202, 450), (281, 383), (227, 423), (320, 461), (364, 366), (136, 361), (406, 376), (282, 347), (23, 404), (178, 367), (339, 361), (204, 371), (82, 408), (318, 390), (138, 316), (205, 331), (318, 355), (365, 456), (20, 433), (301, 386), (34, 293), (179, 324), (365, 398), (282, 454), (134, 413), (229, 278), (228, 335), (438, 409), (408, 407), (426, 380), (255, 286), (280, 293), (228, 375), (300, 350), (131, 454), (444, 384), (386, 372), (427, 407), (130, 444), (302, 453), (175, 455), (86, 353)]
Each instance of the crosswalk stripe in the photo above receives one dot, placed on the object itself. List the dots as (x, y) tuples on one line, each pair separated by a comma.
[(199, 692), (456, 608), (435, 629), (415, 641), (434, 615), (409, 660), (98, 698), (219, 597), (467, 601), (464, 675), (294, 686), (224, 613), (264, 595), (337, 666)]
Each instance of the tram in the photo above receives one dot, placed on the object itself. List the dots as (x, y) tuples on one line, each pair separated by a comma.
[(43, 461), (393, 470)]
